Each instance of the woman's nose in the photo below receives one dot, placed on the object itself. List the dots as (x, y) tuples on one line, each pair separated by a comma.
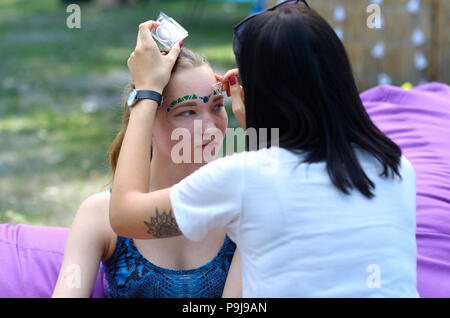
[(207, 122), (210, 128)]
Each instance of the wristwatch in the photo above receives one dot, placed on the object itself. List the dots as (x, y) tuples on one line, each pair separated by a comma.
[(136, 95)]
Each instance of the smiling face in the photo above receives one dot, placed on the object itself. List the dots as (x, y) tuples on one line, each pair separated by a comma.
[(191, 97)]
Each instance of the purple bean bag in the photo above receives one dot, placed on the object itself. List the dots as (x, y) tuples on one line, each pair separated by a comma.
[(418, 120), (30, 259)]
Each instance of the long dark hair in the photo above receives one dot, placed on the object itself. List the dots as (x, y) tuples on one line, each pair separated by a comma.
[(297, 77)]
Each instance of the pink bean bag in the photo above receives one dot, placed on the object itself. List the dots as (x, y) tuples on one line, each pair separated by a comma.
[(418, 120), (30, 260)]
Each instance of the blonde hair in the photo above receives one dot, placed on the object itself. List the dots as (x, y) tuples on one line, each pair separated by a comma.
[(186, 60)]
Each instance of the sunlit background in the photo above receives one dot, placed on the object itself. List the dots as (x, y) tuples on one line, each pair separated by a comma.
[(61, 89)]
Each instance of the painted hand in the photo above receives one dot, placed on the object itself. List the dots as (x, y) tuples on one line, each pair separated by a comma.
[(231, 84)]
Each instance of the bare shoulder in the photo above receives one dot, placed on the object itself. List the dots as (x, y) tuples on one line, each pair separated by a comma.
[(93, 213), (95, 208)]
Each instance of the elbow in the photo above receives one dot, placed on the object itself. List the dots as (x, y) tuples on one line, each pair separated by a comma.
[(114, 221)]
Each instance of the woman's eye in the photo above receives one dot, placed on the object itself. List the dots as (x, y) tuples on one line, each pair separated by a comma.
[(219, 106), (185, 114)]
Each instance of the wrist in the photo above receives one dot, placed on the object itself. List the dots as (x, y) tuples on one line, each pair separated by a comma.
[(149, 104), (136, 95), (144, 109)]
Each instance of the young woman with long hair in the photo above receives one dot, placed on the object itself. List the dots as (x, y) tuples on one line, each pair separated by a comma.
[(175, 267)]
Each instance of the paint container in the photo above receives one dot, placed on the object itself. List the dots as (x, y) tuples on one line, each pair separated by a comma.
[(169, 31)]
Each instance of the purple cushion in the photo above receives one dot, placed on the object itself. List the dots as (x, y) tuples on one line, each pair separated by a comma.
[(30, 260), (418, 120)]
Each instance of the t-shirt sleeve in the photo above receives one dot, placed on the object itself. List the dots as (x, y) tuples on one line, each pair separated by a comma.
[(210, 198)]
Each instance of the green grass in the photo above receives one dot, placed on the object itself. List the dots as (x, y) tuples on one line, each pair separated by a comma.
[(61, 95)]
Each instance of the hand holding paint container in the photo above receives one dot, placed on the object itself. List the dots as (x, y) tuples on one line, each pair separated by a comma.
[(169, 31)]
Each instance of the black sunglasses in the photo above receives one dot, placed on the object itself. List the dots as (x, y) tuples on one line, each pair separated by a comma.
[(237, 30)]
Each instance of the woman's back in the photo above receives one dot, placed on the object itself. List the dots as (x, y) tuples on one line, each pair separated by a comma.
[(301, 237), (341, 246)]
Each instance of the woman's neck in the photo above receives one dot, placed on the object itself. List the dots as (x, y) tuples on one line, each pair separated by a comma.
[(165, 173)]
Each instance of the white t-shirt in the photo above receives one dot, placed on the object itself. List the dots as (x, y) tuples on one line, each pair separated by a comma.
[(297, 234)]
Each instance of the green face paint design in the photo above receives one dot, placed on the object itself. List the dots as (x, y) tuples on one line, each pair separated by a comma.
[(205, 99)]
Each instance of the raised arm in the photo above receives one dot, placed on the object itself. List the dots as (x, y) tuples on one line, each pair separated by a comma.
[(133, 211)]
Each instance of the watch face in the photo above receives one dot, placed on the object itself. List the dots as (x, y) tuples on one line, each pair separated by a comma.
[(131, 97)]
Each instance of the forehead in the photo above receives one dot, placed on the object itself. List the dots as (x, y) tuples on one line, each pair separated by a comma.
[(199, 80)]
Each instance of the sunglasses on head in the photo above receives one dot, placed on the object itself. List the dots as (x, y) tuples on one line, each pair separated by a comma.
[(240, 26)]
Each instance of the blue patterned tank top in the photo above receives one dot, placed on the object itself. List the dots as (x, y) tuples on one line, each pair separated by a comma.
[(129, 274)]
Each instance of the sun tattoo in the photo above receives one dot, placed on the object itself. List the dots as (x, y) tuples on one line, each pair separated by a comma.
[(162, 225)]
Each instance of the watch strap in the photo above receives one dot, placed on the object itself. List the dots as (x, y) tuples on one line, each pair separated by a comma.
[(148, 94)]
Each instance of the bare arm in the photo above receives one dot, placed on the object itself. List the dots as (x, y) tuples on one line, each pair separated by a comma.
[(233, 284), (85, 247), (134, 212)]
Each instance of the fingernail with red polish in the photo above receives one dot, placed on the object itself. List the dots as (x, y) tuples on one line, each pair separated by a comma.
[(181, 43), (232, 80)]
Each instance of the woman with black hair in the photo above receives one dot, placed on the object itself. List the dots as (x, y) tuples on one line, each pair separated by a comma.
[(326, 210)]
